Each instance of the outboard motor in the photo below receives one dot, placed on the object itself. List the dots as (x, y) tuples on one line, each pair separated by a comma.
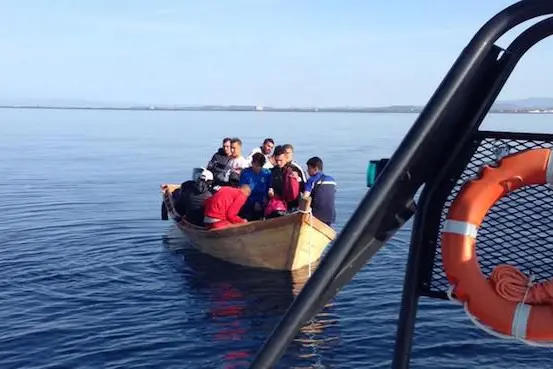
[(196, 173)]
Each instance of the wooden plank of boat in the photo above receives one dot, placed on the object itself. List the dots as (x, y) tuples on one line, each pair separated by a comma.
[(285, 243)]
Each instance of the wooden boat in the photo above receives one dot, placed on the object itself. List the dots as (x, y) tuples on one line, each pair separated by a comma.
[(284, 243)]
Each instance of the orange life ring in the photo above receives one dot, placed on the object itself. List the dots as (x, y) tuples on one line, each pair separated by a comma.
[(458, 244)]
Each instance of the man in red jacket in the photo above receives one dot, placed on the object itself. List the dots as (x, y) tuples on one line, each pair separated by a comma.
[(221, 209)]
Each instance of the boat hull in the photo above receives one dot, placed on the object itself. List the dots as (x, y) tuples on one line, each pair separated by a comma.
[(284, 243)]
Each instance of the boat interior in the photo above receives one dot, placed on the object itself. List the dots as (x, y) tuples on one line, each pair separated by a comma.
[(442, 150)]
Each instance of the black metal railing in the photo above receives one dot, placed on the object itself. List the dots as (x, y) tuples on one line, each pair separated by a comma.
[(435, 152)]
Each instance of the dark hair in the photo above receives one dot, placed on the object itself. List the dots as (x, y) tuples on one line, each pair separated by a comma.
[(258, 158), (315, 162), (236, 140), (279, 150), (226, 139), (265, 141), (288, 146)]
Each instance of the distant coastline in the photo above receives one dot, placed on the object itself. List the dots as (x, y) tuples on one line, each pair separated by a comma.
[(262, 109)]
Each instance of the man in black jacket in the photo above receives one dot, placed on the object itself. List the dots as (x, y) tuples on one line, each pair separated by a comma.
[(218, 164)]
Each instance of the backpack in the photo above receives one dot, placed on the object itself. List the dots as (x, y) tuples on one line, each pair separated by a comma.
[(291, 186)]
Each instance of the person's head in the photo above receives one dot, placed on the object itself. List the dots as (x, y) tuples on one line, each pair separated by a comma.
[(314, 165), (258, 161), (289, 152), (206, 176), (236, 147), (226, 145), (246, 190), (268, 145), (280, 156)]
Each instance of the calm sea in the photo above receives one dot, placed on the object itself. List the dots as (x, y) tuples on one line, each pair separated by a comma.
[(90, 277)]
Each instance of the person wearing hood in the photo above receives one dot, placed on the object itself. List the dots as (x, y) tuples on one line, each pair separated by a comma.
[(191, 201), (219, 162)]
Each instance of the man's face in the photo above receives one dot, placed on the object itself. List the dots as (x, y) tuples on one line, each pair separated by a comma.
[(289, 155), (226, 147), (311, 171), (235, 149), (280, 160), (267, 148)]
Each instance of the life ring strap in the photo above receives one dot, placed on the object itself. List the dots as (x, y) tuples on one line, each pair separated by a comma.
[(460, 228), (520, 320), (549, 169)]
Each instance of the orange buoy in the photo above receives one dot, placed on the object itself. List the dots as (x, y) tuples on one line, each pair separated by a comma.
[(507, 302)]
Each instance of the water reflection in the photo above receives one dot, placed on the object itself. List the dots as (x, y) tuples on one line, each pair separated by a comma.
[(245, 304)]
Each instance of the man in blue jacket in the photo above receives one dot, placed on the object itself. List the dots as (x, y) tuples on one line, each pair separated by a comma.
[(258, 178), (322, 189)]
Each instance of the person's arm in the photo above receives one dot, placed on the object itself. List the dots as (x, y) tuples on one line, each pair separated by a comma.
[(270, 190), (244, 178), (267, 187), (212, 162), (234, 209), (308, 187), (303, 176)]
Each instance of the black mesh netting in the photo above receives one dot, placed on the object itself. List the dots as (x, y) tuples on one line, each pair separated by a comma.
[(517, 230)]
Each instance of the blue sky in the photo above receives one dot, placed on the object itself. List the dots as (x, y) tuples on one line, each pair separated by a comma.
[(323, 52)]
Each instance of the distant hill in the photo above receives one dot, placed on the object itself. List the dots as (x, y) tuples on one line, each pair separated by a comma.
[(528, 103), (506, 106)]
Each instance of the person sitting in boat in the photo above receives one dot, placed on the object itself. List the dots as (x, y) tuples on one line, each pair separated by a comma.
[(267, 150), (289, 152), (284, 187), (321, 188), (258, 178), (302, 178), (236, 163), (221, 209), (192, 196), (219, 162)]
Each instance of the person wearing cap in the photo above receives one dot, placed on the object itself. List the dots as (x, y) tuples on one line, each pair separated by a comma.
[(193, 194), (221, 209)]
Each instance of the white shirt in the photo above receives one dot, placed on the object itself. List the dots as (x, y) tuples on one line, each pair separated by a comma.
[(237, 164), (268, 163)]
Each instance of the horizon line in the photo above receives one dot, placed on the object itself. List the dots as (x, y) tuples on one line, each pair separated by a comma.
[(391, 109)]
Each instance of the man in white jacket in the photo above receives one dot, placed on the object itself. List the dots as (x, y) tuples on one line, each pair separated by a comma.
[(266, 149)]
